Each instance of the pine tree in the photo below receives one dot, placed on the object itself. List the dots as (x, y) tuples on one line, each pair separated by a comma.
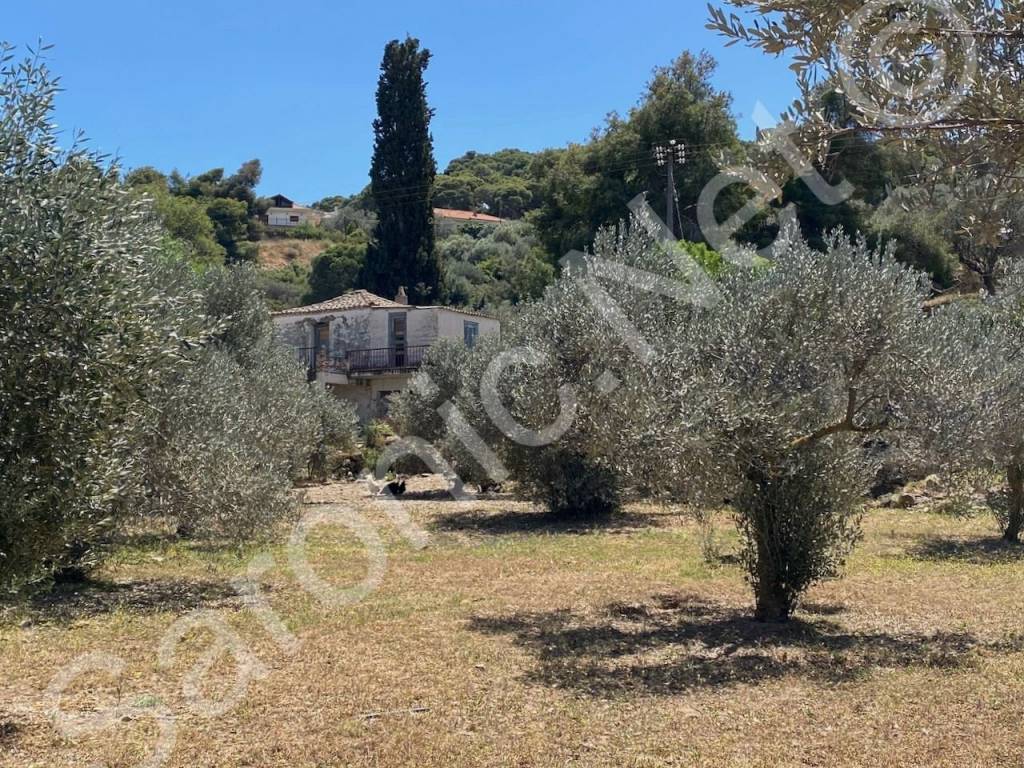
[(402, 180)]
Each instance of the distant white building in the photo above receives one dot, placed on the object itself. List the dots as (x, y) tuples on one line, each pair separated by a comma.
[(287, 213), (365, 348), (448, 220)]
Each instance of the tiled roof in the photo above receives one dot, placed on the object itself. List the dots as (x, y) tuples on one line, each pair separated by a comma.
[(451, 213), (459, 310), (351, 300), (364, 299)]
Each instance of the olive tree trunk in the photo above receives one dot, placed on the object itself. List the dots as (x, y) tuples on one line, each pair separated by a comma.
[(772, 600), (1015, 517), (773, 596)]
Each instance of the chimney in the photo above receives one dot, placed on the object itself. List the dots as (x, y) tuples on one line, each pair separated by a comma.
[(400, 297)]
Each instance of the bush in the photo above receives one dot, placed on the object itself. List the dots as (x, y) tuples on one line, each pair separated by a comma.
[(336, 433), (229, 441), (920, 243), (285, 287), (571, 485), (559, 344), (978, 422)]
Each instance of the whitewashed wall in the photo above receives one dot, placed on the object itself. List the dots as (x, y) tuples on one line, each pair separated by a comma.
[(451, 324), (368, 328)]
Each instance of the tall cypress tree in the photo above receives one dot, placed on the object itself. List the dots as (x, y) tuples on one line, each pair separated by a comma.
[(402, 179)]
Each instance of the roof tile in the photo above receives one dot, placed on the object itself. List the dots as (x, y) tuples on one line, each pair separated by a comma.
[(351, 300)]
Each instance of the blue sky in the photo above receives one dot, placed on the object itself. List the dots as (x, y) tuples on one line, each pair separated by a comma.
[(194, 85)]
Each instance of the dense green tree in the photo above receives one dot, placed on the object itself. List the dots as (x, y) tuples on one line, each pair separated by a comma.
[(338, 269), (585, 187), (402, 179), (187, 220), (457, 190), (184, 218), (145, 176), (500, 183), (230, 220), (947, 83), (228, 205), (330, 203)]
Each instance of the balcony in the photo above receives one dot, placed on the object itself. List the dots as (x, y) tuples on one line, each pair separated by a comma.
[(364, 361)]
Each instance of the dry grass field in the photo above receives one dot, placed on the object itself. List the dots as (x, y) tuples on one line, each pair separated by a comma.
[(511, 642), (283, 252)]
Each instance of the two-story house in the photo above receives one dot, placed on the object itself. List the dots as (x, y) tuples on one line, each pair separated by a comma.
[(364, 347)]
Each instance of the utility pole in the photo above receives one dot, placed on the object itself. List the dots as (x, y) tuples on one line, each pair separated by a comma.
[(668, 156)]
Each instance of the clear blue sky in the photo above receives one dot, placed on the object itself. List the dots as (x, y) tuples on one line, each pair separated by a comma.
[(194, 85)]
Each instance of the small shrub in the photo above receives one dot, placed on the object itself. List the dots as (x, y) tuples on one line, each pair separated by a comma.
[(570, 485)]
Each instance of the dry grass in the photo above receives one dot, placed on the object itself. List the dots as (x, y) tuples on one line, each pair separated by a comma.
[(275, 253), (510, 642)]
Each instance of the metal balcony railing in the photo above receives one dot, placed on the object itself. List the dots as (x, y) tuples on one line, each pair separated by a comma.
[(385, 359), (363, 360)]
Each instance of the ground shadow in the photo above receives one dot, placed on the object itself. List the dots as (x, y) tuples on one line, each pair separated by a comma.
[(822, 609), (515, 522), (674, 644), (987, 551), (161, 540), (9, 731), (73, 601), (444, 494)]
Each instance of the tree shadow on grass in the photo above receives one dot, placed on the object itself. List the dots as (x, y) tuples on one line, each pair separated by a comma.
[(518, 522), (87, 599), (675, 644), (990, 551), (9, 731)]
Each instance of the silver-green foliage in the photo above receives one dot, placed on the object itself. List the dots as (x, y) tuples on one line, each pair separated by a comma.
[(83, 329), (128, 385), (772, 397), (562, 441), (239, 423), (979, 408)]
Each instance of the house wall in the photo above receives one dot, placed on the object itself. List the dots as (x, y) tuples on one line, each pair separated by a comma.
[(369, 395), (281, 217), (451, 324), (368, 328)]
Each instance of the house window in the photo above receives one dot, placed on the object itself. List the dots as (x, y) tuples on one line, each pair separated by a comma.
[(293, 219), (470, 331)]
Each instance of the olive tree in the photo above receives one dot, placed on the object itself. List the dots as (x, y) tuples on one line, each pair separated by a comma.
[(768, 398), (979, 413), (543, 398), (83, 330), (942, 78), (237, 425)]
